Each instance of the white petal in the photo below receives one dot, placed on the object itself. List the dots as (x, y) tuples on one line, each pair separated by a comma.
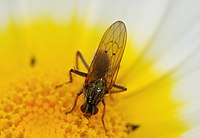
[(191, 112), (177, 39)]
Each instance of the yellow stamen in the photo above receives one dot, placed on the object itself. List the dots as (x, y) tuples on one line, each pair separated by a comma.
[(33, 108)]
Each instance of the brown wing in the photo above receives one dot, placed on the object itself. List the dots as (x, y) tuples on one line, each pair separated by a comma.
[(107, 59)]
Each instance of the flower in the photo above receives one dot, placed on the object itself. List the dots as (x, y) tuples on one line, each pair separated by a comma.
[(159, 66)]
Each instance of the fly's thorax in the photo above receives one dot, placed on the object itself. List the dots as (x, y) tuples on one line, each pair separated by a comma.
[(93, 93)]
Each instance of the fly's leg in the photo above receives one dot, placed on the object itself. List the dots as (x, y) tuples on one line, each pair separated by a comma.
[(119, 87), (71, 78), (75, 101), (102, 117), (76, 71), (79, 55)]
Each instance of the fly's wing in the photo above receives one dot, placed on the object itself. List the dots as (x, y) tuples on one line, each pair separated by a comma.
[(107, 59)]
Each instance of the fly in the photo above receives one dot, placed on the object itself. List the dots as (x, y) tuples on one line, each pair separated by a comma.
[(102, 73)]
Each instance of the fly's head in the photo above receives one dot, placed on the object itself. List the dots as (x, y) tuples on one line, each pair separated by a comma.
[(89, 110)]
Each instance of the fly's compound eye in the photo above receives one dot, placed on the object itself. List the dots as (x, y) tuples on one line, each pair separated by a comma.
[(89, 110), (95, 110), (83, 108)]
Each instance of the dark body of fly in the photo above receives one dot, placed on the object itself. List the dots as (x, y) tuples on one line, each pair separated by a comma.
[(103, 70), (95, 87), (93, 93)]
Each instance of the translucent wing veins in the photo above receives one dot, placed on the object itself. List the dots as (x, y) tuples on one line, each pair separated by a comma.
[(107, 59)]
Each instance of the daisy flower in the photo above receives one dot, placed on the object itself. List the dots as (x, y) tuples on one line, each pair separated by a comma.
[(159, 68)]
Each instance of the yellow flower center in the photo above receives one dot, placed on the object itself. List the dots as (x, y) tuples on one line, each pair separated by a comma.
[(31, 107)]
